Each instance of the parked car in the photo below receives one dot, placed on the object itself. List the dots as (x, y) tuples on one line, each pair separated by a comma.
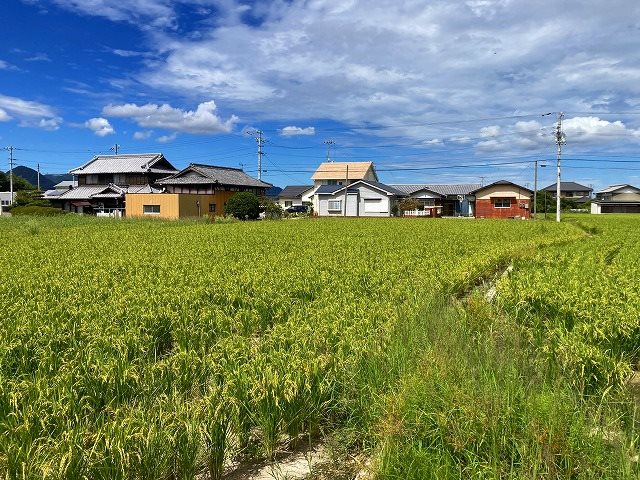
[(297, 209)]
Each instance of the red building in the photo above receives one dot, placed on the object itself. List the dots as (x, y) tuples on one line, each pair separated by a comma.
[(503, 199)]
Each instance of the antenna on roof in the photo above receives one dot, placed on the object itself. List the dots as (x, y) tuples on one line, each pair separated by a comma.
[(328, 143), (115, 148)]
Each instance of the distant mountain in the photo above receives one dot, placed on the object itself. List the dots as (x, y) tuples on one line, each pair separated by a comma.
[(273, 192), (46, 181)]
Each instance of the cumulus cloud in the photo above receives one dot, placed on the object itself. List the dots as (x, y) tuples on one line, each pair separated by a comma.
[(167, 138), (29, 113), (142, 135), (4, 116), (203, 121), (100, 126), (584, 129), (292, 131), (533, 135)]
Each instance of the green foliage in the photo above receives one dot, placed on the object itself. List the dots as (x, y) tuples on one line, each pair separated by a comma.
[(30, 197), (407, 204), (19, 183), (37, 210), (272, 210), (243, 206)]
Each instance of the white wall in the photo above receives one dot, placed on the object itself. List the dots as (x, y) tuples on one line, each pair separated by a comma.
[(367, 202)]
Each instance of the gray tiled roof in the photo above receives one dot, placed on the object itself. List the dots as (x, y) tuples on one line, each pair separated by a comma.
[(613, 188), (208, 174), (86, 192), (328, 189), (83, 192), (124, 163), (441, 189), (568, 187), (382, 186), (66, 184), (294, 191)]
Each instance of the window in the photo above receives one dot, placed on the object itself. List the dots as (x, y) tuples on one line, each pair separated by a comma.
[(91, 179), (502, 203), (334, 205), (151, 209), (212, 208), (334, 182), (4, 202), (288, 203), (119, 178)]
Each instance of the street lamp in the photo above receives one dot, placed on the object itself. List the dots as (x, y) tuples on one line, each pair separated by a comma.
[(535, 192)]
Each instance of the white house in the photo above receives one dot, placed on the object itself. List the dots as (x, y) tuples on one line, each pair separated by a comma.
[(6, 200), (294, 195), (617, 199), (340, 173), (362, 198)]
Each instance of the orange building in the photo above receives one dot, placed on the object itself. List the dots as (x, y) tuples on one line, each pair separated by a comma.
[(195, 191)]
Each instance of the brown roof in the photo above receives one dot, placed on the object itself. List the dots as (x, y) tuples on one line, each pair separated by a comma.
[(338, 170)]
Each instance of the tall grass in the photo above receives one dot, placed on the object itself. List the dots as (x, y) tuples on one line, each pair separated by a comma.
[(478, 406)]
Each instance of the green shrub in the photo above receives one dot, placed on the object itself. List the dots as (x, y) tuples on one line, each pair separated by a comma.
[(244, 206), (37, 210)]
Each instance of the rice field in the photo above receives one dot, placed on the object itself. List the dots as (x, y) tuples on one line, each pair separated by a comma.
[(145, 349)]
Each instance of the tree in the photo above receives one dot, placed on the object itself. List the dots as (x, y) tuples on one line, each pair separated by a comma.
[(407, 204), (272, 210), (244, 206), (19, 183)]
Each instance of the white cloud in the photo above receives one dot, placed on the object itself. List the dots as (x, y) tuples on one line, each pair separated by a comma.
[(4, 116), (100, 126), (38, 57), (153, 12), (491, 131), (142, 135), (203, 120), (433, 141), (582, 129), (292, 131), (30, 113), (167, 138), (7, 66)]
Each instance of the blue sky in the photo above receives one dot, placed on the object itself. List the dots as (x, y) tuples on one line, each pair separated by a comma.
[(430, 91)]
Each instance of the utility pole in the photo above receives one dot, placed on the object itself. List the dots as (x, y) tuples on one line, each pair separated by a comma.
[(328, 143), (535, 191), (115, 148), (38, 177), (258, 134), (260, 141), (10, 149), (346, 191), (560, 140), (482, 180)]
